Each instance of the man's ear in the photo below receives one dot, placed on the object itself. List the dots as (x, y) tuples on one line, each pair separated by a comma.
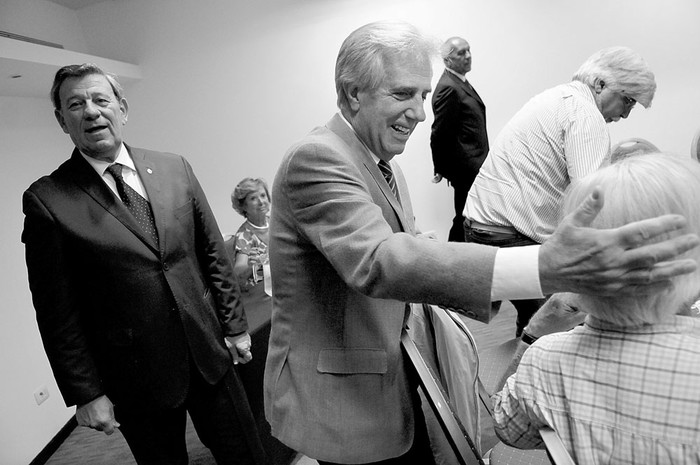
[(598, 85), (61, 121), (124, 107), (353, 97)]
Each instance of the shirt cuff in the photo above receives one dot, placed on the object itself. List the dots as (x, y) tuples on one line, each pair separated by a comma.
[(516, 274)]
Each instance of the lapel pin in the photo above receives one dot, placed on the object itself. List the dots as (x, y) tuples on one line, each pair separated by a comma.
[(149, 171)]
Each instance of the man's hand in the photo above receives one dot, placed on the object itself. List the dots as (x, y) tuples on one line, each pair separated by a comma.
[(559, 313), (239, 346), (619, 261), (97, 414)]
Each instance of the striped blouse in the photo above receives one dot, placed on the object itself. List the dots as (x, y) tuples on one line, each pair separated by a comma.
[(557, 137)]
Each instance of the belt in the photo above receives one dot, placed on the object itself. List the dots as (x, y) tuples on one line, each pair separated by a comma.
[(490, 227)]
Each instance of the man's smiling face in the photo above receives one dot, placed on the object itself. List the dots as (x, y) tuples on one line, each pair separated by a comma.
[(385, 117), (92, 115)]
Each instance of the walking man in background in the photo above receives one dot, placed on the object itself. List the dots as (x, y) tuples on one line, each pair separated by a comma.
[(458, 138)]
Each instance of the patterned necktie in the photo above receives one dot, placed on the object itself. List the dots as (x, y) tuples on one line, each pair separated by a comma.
[(385, 168), (137, 205)]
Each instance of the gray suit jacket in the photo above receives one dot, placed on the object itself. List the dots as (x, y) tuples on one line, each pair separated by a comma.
[(345, 261)]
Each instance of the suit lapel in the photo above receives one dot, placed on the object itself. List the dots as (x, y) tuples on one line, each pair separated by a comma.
[(89, 181), (358, 149), (408, 219), (466, 86), (471, 91)]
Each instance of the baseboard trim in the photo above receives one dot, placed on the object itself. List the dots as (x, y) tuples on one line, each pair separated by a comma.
[(55, 442)]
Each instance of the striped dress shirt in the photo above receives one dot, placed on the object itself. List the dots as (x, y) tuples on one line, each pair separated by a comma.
[(614, 395), (556, 138)]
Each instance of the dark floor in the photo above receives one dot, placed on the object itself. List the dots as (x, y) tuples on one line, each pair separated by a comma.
[(86, 446)]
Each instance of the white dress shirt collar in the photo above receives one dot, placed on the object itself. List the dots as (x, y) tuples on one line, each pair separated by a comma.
[(101, 166), (462, 77)]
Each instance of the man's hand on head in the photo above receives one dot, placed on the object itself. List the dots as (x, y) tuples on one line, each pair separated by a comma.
[(620, 261)]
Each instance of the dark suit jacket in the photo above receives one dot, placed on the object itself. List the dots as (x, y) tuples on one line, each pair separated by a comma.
[(119, 315), (458, 138), (345, 260)]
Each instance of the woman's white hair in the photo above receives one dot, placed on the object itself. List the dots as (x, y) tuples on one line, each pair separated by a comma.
[(637, 188)]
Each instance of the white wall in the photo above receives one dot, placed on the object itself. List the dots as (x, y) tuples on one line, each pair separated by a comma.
[(31, 143), (231, 84)]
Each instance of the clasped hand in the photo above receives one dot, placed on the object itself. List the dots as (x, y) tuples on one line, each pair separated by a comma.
[(240, 348), (256, 256)]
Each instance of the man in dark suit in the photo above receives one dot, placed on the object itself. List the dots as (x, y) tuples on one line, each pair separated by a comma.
[(346, 259), (138, 310), (458, 138)]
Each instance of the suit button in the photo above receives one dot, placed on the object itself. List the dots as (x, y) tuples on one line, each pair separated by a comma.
[(166, 267)]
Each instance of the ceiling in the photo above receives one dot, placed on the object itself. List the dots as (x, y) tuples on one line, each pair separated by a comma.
[(76, 4), (27, 69)]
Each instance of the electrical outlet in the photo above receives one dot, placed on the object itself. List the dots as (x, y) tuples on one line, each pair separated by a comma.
[(41, 394)]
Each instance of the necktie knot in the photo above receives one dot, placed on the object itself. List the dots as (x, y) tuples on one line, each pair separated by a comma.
[(115, 170)]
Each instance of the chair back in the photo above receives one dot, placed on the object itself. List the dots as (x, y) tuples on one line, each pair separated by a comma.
[(443, 353)]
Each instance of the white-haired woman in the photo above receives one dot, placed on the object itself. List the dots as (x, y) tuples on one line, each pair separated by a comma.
[(622, 388)]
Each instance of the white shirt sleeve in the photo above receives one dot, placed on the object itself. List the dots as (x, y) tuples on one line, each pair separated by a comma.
[(516, 274), (586, 142)]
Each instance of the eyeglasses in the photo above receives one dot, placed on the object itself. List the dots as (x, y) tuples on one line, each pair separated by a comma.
[(629, 101)]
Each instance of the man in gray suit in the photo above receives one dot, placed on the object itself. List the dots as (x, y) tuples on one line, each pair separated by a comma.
[(346, 258)]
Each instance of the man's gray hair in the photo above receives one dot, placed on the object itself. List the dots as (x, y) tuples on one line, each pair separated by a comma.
[(623, 70), (364, 53)]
